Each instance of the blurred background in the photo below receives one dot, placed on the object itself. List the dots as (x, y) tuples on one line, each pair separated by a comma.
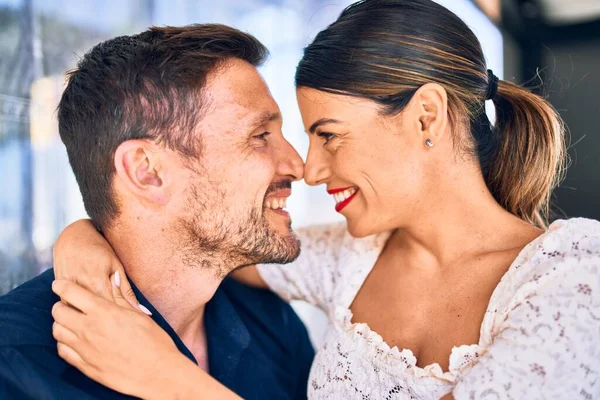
[(551, 46)]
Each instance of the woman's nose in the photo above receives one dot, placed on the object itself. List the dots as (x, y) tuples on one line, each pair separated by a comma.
[(316, 169)]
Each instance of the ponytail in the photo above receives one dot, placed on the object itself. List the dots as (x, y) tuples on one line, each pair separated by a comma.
[(530, 158)]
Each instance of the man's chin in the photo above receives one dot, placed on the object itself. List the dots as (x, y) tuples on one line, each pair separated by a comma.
[(284, 252)]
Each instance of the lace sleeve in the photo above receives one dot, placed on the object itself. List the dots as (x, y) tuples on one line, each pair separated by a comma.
[(547, 345), (311, 277)]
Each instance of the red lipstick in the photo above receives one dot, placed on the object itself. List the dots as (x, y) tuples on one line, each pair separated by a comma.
[(340, 206)]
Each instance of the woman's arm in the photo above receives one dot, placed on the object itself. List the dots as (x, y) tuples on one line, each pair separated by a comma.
[(123, 349), (190, 382), (82, 255)]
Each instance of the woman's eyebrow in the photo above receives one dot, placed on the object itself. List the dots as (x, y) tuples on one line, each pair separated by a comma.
[(323, 121)]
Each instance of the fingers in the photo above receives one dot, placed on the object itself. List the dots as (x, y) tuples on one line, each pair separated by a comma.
[(68, 329), (127, 292), (120, 286), (72, 357), (68, 316), (75, 295), (69, 355), (116, 294), (101, 287), (82, 254), (64, 335)]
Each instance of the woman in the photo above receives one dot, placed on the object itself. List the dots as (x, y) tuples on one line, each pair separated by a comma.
[(446, 280)]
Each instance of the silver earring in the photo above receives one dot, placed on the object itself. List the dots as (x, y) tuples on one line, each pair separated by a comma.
[(429, 143)]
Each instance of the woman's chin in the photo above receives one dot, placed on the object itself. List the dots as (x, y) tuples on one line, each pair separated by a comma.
[(358, 230), (363, 227)]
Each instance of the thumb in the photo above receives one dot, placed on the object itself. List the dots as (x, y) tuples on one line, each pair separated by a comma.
[(126, 291), (120, 286)]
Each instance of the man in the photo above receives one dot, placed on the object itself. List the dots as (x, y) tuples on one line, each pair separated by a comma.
[(177, 148)]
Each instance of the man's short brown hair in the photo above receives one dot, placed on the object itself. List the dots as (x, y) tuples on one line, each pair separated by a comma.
[(147, 85)]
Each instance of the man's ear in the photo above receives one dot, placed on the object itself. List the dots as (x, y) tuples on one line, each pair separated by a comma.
[(139, 170), (429, 110)]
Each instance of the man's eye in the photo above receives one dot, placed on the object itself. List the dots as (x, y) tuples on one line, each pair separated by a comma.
[(263, 136), (328, 136)]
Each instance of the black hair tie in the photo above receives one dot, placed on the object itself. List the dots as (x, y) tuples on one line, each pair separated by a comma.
[(492, 85)]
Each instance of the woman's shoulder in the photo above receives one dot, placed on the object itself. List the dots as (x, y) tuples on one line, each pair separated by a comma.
[(569, 241), (564, 261), (565, 241), (575, 227), (541, 329)]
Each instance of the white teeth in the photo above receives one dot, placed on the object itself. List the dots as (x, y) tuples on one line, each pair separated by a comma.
[(276, 204), (341, 196)]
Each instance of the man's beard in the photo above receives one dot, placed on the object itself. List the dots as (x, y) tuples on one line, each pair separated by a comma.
[(213, 239)]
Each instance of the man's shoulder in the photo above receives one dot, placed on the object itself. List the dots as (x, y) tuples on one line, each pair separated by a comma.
[(26, 313)]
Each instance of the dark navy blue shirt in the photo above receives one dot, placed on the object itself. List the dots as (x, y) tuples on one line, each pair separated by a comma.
[(257, 345)]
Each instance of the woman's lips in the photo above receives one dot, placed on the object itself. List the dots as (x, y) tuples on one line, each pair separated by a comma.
[(347, 196), (334, 191)]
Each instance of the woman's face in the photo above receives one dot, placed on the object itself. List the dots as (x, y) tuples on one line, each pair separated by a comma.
[(373, 165)]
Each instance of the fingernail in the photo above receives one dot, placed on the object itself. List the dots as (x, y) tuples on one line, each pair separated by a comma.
[(117, 279), (144, 309), (56, 287)]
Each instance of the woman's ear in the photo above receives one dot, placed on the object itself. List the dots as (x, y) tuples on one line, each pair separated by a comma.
[(430, 113)]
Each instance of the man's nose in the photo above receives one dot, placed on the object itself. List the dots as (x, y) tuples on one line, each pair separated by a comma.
[(290, 163)]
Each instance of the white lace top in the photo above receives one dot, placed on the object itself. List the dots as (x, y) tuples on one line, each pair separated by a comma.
[(540, 337)]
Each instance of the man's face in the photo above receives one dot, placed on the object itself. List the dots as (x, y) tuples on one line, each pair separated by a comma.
[(232, 205)]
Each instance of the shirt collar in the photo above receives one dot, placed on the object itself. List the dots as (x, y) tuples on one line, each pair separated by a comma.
[(226, 334), (162, 323), (227, 338)]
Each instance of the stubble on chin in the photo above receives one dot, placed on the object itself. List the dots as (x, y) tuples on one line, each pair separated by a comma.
[(227, 247)]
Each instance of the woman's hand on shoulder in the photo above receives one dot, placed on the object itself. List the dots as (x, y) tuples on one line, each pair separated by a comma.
[(82, 255), (119, 347)]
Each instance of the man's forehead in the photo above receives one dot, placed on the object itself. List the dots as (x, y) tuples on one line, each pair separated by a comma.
[(237, 92), (237, 81), (263, 117)]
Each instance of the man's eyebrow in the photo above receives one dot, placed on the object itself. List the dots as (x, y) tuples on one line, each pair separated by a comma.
[(323, 121), (265, 117)]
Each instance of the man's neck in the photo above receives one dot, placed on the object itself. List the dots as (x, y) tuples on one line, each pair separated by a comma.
[(178, 288)]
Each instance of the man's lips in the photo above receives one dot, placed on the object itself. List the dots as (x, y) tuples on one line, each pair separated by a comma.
[(279, 194)]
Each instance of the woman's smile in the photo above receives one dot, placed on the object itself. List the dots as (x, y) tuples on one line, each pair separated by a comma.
[(343, 196)]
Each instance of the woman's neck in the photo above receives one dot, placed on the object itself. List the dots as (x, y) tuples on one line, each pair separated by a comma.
[(460, 219)]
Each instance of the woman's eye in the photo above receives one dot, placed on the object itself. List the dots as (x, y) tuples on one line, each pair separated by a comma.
[(328, 136), (263, 136)]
